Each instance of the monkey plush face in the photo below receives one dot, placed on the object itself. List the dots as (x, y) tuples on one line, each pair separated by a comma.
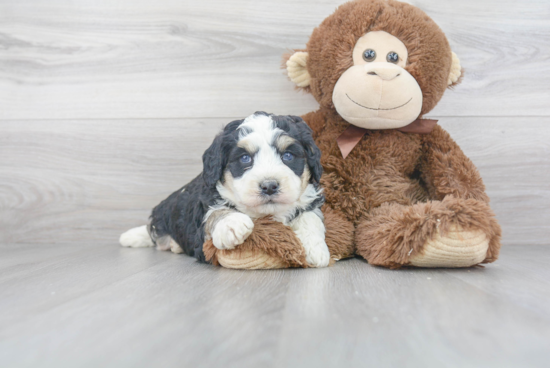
[(377, 92), (379, 64)]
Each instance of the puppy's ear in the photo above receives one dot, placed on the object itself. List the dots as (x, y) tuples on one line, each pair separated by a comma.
[(214, 159), (212, 162), (313, 153)]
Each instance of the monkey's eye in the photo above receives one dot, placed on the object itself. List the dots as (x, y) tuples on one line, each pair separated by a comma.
[(245, 159), (392, 57), (369, 55), (287, 156)]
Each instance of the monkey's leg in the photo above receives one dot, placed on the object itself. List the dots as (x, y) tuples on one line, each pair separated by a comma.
[(448, 233), (274, 245), (340, 234), (271, 245)]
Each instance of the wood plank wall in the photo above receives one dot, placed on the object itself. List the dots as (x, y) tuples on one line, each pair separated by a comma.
[(107, 106)]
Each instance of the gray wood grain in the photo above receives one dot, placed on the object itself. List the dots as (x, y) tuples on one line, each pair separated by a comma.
[(178, 59), (106, 108), (68, 181), (97, 304), (513, 156)]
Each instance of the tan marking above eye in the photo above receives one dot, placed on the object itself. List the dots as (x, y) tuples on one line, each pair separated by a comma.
[(248, 145), (284, 141)]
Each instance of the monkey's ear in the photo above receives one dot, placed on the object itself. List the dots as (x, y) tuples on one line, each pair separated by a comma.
[(296, 68), (456, 71)]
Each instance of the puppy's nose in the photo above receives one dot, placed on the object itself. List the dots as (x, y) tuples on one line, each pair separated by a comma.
[(269, 187)]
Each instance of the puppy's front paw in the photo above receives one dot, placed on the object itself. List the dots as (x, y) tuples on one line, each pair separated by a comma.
[(232, 230), (309, 228), (317, 255)]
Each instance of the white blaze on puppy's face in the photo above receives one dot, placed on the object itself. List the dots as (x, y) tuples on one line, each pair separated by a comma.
[(262, 177)]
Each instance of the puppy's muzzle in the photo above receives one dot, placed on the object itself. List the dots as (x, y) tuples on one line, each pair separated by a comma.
[(269, 187)]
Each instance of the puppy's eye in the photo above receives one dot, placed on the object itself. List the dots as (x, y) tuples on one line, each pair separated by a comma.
[(245, 159), (369, 55), (392, 57), (287, 156)]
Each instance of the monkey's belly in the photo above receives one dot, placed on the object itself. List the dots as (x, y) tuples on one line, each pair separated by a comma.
[(356, 199)]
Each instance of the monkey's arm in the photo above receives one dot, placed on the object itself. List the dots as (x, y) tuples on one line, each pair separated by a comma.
[(274, 245), (446, 170)]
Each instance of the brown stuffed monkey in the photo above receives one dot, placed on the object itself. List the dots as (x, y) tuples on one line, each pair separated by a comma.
[(399, 191)]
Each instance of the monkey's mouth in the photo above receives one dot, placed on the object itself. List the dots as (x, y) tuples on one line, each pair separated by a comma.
[(370, 108)]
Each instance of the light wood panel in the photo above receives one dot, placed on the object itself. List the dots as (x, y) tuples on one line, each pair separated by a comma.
[(65, 59), (99, 305), (106, 108), (513, 156), (72, 181)]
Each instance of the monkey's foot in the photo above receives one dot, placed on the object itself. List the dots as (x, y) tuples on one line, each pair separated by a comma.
[(449, 233), (458, 248), (249, 260)]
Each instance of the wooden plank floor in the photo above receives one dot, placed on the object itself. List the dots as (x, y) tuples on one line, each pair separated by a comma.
[(99, 305)]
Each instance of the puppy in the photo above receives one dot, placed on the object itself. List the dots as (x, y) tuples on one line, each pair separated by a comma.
[(264, 165)]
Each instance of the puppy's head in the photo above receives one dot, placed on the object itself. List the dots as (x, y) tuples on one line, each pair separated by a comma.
[(264, 163)]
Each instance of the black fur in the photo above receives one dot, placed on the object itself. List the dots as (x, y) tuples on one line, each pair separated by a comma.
[(216, 156), (181, 215), (295, 127), (235, 166), (298, 162)]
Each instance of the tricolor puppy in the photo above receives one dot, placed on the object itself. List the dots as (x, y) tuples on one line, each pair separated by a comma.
[(264, 165)]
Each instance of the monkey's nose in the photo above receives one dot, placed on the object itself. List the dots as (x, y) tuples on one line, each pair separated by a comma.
[(269, 187), (384, 72)]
